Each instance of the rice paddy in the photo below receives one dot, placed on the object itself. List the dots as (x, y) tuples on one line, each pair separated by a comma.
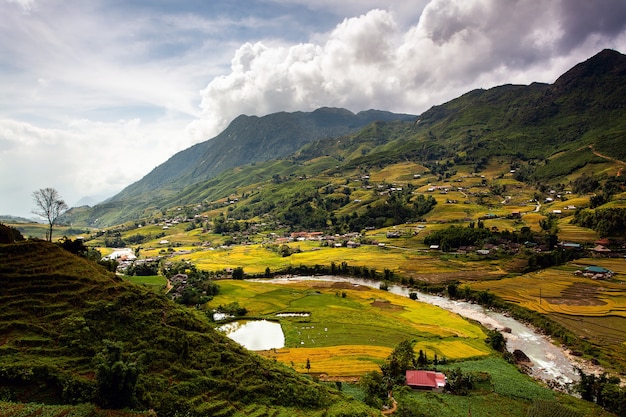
[(594, 309), (351, 329)]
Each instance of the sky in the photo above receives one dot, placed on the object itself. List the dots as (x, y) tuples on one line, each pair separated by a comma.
[(96, 93)]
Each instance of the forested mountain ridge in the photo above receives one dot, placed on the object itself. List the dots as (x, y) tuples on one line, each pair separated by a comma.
[(250, 139)]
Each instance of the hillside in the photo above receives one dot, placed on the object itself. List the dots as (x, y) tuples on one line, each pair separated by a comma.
[(250, 139), (72, 333), (528, 126)]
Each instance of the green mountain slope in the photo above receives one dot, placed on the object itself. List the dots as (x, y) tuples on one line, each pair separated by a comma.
[(529, 126), (251, 139), (73, 333)]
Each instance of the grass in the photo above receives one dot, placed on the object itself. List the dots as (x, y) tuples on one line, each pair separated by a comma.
[(10, 409), (496, 383), (156, 283), (349, 335)]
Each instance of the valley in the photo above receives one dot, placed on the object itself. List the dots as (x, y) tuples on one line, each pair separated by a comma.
[(511, 198)]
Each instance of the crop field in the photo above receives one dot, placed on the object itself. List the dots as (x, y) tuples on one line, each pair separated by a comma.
[(560, 291), (406, 260), (397, 172), (571, 232), (532, 220), (39, 230), (592, 309), (351, 329)]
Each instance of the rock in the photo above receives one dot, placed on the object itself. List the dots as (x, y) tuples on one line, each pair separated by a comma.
[(520, 357)]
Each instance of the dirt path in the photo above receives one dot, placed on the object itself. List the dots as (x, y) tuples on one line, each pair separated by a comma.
[(609, 158), (393, 408)]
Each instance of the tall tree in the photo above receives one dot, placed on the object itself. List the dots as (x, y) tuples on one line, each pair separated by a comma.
[(49, 205)]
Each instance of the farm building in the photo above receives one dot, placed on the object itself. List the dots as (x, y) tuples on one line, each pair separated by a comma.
[(426, 380), (596, 272)]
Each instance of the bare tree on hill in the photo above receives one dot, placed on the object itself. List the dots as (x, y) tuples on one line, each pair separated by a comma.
[(49, 205)]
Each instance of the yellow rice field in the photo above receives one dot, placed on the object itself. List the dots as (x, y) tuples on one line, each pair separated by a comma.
[(352, 334), (560, 291)]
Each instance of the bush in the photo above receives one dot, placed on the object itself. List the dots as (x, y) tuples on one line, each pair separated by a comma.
[(9, 234)]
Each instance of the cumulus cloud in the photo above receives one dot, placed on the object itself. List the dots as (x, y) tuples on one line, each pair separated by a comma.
[(372, 61)]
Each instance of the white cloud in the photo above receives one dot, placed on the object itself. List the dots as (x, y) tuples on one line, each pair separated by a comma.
[(371, 61), (27, 5), (81, 158)]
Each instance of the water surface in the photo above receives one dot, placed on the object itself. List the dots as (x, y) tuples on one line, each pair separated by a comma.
[(255, 334)]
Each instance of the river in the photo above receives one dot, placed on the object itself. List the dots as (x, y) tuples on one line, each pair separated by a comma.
[(550, 363)]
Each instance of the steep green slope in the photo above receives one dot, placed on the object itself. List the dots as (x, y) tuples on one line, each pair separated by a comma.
[(73, 333), (251, 139)]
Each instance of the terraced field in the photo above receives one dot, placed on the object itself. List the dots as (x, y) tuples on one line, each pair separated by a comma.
[(593, 309), (60, 314)]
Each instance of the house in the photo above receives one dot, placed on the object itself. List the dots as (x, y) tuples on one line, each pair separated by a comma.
[(426, 380), (601, 249), (570, 245), (597, 272), (604, 242)]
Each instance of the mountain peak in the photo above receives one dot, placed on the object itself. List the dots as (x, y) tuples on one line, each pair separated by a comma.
[(607, 62)]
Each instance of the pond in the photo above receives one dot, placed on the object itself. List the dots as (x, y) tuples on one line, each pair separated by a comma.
[(255, 334)]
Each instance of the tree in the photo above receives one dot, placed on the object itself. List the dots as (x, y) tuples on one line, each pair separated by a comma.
[(397, 363), (116, 377), (49, 205)]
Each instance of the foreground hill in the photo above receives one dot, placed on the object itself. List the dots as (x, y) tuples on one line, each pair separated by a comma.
[(72, 333), (544, 131)]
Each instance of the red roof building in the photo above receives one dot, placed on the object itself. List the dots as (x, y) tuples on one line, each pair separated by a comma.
[(428, 380)]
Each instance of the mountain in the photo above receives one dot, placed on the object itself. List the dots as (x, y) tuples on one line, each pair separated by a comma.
[(6, 218), (74, 333), (566, 124), (247, 140), (250, 139)]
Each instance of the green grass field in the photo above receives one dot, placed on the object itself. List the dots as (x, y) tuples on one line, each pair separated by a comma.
[(157, 282)]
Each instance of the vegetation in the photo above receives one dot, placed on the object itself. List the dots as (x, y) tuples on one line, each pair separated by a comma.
[(50, 206), (62, 311), (608, 222), (9, 234)]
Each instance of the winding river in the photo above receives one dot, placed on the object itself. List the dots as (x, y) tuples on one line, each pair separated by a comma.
[(550, 363)]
